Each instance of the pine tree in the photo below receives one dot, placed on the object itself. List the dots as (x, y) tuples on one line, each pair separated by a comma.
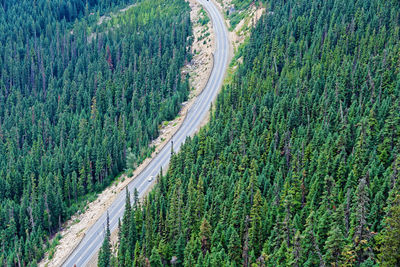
[(361, 233), (205, 236), (296, 250), (255, 234), (155, 259), (105, 250), (310, 246), (136, 254), (234, 247), (333, 245), (389, 238), (292, 143), (192, 251)]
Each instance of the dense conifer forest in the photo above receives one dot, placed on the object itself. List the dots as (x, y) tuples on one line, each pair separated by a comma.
[(79, 94), (299, 164)]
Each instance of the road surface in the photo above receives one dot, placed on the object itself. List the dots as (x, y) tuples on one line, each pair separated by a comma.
[(93, 239)]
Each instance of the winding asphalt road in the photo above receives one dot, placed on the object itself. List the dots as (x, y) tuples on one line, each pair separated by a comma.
[(93, 239)]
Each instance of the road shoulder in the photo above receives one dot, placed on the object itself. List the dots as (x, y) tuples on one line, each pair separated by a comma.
[(199, 69)]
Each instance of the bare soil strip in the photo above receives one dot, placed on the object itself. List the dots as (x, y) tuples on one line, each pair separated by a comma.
[(199, 69)]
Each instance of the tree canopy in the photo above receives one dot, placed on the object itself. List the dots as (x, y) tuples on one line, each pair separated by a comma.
[(84, 86), (299, 163)]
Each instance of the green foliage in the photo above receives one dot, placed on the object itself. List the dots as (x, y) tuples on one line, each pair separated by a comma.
[(80, 102), (389, 238), (203, 17), (299, 165), (105, 250), (54, 243), (155, 259), (237, 11)]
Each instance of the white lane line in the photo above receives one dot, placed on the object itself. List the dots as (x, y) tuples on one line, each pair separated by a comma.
[(163, 159)]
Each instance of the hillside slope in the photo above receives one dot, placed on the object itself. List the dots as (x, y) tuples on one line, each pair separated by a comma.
[(299, 164), (81, 98)]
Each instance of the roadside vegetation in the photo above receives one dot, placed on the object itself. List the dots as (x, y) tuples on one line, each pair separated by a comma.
[(77, 98), (203, 17), (239, 10), (299, 165)]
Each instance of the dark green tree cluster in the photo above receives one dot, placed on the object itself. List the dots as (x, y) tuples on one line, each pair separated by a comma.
[(77, 99), (300, 163)]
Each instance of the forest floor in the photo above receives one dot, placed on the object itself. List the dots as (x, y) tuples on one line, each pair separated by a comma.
[(198, 70)]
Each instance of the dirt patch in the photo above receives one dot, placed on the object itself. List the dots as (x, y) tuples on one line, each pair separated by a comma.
[(105, 18), (111, 15), (242, 29), (198, 70)]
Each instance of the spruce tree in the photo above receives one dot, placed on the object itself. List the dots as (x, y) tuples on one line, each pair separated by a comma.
[(205, 236), (155, 259), (105, 250), (389, 238)]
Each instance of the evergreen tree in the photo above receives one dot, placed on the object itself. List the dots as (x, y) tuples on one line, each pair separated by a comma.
[(105, 250), (389, 238), (299, 155), (79, 100), (205, 236), (155, 259), (234, 247)]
